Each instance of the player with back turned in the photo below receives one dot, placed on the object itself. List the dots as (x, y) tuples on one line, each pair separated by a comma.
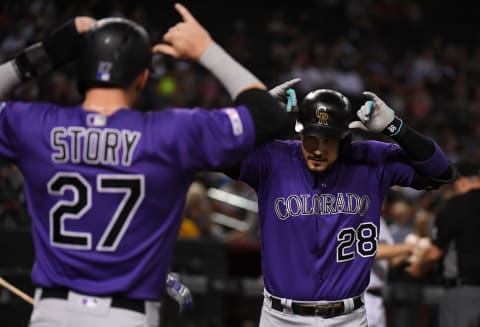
[(105, 184), (320, 202)]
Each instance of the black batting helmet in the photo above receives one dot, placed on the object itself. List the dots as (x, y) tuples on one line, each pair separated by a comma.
[(325, 112), (114, 51)]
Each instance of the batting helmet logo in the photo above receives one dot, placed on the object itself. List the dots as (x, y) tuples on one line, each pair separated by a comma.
[(325, 112), (322, 115), (103, 72)]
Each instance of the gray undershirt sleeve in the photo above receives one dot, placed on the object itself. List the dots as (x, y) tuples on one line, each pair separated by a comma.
[(8, 78), (234, 77)]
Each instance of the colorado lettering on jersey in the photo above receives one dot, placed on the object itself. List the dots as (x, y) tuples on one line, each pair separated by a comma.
[(322, 204), (93, 145)]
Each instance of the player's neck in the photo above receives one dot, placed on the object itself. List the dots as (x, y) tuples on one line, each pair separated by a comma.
[(106, 101)]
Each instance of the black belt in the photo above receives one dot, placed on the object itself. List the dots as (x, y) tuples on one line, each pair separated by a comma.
[(117, 302), (328, 310)]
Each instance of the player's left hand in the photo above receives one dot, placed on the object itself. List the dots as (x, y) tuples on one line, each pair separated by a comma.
[(286, 95), (375, 115), (179, 292)]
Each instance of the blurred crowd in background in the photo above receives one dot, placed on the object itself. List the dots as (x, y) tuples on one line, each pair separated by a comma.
[(425, 66)]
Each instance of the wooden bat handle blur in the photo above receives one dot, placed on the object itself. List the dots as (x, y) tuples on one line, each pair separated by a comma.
[(16, 291)]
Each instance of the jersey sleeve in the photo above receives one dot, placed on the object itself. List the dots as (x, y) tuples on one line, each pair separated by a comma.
[(255, 166), (206, 139), (8, 117), (397, 170)]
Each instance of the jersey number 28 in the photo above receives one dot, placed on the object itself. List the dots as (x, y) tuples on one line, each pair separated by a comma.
[(362, 240)]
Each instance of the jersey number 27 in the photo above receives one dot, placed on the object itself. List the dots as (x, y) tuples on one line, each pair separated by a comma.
[(133, 188)]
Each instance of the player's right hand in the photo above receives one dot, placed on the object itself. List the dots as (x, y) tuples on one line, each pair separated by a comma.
[(286, 99), (186, 40)]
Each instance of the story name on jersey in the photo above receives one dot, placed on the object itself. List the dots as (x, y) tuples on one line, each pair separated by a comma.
[(91, 145), (323, 204)]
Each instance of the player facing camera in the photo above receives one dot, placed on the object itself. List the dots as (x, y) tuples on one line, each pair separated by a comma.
[(330, 191), (323, 119)]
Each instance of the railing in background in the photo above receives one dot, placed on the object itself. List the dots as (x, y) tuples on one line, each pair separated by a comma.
[(226, 285)]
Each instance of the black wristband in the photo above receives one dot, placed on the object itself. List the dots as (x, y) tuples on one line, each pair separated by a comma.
[(24, 68), (394, 128), (417, 146), (59, 48), (63, 44)]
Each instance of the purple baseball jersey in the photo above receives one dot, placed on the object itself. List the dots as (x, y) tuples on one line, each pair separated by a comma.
[(106, 193), (319, 231)]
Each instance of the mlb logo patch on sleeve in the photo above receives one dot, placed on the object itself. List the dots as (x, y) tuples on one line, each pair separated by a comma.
[(237, 126)]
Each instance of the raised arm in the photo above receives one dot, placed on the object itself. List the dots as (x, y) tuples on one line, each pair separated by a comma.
[(431, 163), (57, 49), (189, 40)]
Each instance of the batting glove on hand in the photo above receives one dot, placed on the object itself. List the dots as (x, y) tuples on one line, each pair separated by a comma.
[(286, 95), (179, 292), (376, 116)]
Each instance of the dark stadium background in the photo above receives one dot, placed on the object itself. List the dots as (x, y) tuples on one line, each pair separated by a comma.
[(386, 37)]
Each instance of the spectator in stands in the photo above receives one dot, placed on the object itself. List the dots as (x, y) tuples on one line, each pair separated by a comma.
[(197, 222), (401, 216)]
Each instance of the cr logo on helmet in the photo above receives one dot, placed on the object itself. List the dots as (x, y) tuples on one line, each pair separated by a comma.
[(322, 115)]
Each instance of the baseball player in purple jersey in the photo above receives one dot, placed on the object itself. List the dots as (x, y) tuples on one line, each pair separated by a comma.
[(106, 185), (319, 206)]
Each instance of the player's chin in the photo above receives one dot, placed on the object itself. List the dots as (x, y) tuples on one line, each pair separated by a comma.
[(317, 165)]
